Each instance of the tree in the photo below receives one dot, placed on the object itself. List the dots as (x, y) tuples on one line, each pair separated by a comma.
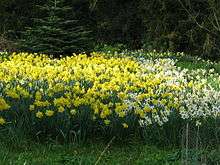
[(54, 34), (207, 20)]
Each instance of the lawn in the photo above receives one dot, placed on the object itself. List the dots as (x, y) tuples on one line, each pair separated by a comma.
[(92, 153)]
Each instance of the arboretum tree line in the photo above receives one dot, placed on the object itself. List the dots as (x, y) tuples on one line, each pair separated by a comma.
[(66, 26)]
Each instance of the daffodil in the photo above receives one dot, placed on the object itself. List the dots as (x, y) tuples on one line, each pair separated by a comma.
[(73, 112), (49, 113), (61, 109), (2, 121), (3, 104), (31, 107), (39, 114), (125, 125)]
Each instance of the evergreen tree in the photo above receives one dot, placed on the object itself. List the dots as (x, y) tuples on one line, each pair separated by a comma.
[(54, 34)]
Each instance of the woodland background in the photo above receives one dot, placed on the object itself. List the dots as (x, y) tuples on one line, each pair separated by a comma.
[(190, 26)]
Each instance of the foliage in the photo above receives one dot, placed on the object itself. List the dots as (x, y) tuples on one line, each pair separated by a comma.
[(110, 49), (6, 44), (182, 25), (119, 23), (15, 15), (53, 34)]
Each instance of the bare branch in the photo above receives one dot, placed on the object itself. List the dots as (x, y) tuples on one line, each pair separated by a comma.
[(194, 18), (93, 4), (217, 21)]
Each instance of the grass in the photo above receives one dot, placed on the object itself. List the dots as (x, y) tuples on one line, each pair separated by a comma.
[(90, 154), (194, 65), (191, 63)]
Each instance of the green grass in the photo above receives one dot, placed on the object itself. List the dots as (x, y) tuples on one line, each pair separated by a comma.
[(54, 154), (191, 63), (194, 65)]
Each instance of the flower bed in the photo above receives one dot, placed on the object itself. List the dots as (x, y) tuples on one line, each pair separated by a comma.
[(79, 93)]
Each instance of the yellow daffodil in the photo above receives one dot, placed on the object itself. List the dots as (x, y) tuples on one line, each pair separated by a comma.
[(125, 125), (39, 114), (2, 121), (3, 104), (49, 113)]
